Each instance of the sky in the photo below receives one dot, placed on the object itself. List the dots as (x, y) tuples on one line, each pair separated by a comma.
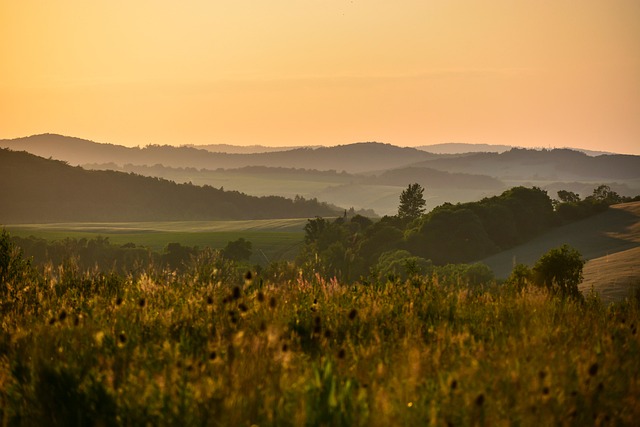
[(538, 73)]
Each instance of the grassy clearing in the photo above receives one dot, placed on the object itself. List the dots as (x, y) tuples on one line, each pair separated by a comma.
[(272, 240), (162, 349)]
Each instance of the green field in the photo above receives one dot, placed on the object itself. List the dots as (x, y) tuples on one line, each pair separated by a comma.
[(272, 240)]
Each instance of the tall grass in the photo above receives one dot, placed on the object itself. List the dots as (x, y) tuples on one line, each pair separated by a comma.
[(212, 348)]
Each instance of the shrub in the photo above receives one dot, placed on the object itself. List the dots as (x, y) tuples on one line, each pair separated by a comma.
[(560, 270)]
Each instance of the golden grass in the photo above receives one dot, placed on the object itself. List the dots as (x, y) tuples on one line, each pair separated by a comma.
[(194, 349)]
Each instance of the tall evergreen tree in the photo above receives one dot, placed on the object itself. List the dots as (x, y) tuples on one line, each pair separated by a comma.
[(412, 203)]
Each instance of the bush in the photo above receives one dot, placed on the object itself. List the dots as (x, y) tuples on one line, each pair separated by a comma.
[(560, 270)]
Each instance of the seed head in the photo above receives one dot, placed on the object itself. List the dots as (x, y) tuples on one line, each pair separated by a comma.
[(119, 301), (480, 400), (212, 355), (272, 302), (341, 353), (353, 313), (260, 296), (141, 302), (236, 292), (62, 316), (593, 369), (209, 300), (122, 337), (248, 276), (243, 308)]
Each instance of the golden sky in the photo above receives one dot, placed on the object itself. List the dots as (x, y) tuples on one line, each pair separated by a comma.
[(545, 73)]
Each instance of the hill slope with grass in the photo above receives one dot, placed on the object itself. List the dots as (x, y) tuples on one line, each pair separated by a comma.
[(35, 190), (610, 242)]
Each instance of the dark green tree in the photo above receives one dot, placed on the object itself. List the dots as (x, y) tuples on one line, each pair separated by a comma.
[(560, 270), (238, 250), (412, 203), (604, 193), (568, 196)]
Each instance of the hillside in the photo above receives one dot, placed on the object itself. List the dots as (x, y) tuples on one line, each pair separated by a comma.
[(34, 189), (609, 241), (549, 165), (353, 158), (462, 148)]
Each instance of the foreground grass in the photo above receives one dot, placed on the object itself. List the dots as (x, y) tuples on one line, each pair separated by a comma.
[(160, 349)]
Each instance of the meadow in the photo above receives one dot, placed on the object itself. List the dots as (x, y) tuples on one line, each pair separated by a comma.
[(272, 240), (213, 346)]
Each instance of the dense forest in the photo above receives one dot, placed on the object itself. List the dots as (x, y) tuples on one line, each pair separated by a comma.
[(35, 189)]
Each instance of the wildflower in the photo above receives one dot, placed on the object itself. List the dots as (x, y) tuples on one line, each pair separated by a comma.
[(353, 313), (248, 276), (232, 316), (62, 316), (98, 337), (243, 308), (122, 338), (118, 301), (209, 300), (212, 355), (236, 292), (260, 296), (272, 302), (141, 302)]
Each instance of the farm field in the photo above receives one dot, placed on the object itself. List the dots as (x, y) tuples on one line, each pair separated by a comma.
[(608, 241), (272, 240)]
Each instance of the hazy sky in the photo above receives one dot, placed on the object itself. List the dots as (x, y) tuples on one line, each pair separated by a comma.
[(306, 72)]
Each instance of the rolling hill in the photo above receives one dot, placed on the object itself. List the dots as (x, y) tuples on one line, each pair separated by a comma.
[(610, 242), (353, 158), (34, 189)]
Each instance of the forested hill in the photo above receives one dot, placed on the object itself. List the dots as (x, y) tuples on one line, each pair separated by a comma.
[(557, 164), (34, 189), (359, 157)]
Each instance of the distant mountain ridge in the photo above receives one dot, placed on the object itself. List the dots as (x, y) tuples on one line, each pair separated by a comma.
[(353, 158), (556, 164), (34, 189), (464, 148), (244, 149)]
